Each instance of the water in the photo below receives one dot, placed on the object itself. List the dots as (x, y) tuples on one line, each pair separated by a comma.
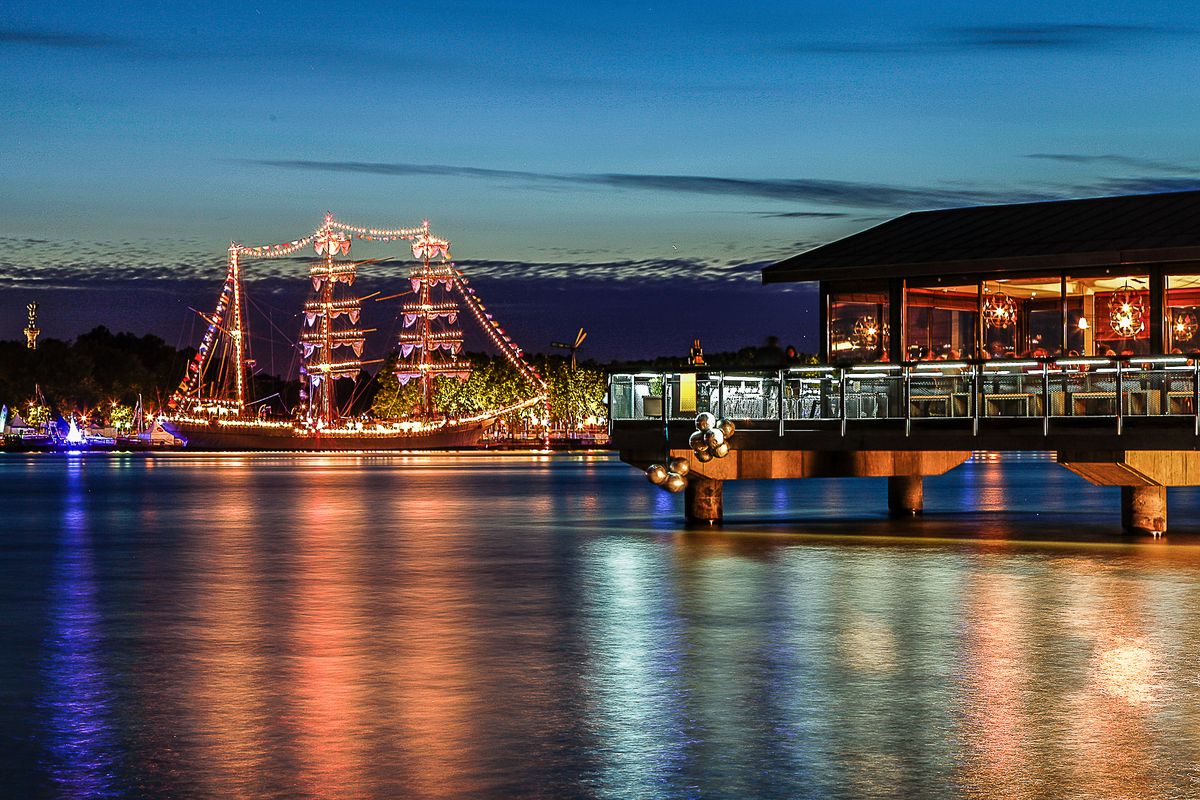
[(429, 627)]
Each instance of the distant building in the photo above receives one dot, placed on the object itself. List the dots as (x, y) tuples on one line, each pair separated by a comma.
[(1086, 277), (31, 328)]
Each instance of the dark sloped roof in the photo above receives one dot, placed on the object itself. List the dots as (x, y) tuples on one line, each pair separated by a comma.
[(1019, 237)]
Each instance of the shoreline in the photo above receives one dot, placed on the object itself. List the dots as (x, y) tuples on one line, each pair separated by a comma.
[(184, 451)]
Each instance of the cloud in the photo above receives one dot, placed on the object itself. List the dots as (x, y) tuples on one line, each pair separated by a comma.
[(630, 271), (57, 39), (30, 263), (798, 214), (154, 265), (1173, 176), (1114, 160), (798, 190), (42, 263), (1046, 36), (1028, 36), (1148, 185), (829, 194)]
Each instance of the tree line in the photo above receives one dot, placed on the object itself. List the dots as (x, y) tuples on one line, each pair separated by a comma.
[(99, 369), (103, 374), (573, 395)]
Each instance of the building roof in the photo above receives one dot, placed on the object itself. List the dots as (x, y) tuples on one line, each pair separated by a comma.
[(1102, 231)]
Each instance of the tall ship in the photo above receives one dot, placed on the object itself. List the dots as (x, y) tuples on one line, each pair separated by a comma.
[(212, 408)]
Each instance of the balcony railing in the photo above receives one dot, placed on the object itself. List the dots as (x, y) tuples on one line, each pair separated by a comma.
[(1046, 389)]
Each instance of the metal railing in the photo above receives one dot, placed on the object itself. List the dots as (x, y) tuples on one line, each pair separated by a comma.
[(1045, 389)]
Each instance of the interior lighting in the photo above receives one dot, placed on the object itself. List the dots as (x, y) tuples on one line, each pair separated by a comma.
[(999, 311), (866, 331), (1126, 313), (1185, 326)]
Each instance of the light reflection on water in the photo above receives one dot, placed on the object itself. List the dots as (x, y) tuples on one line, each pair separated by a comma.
[(634, 709), (81, 755), (456, 626)]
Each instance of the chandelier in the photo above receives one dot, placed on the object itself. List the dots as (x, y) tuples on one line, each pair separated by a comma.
[(1126, 313), (866, 332), (999, 311), (1185, 326)]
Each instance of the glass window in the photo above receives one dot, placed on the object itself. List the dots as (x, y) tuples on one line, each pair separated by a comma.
[(940, 322), (1109, 315), (1022, 317), (858, 326), (1183, 313)]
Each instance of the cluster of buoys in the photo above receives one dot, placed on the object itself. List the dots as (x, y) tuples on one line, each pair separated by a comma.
[(672, 477), (711, 440)]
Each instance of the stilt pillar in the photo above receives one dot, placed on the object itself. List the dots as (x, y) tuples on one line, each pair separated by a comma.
[(703, 500), (1144, 509), (906, 495)]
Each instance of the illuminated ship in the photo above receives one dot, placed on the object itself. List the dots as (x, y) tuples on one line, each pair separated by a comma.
[(210, 409)]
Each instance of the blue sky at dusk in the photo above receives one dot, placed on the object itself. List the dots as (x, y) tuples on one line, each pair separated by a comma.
[(627, 167)]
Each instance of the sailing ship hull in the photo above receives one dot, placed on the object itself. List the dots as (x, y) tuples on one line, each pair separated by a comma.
[(203, 436)]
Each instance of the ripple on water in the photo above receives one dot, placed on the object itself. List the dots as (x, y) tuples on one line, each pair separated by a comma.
[(459, 626)]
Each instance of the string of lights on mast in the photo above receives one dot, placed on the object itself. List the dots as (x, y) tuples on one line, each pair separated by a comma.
[(325, 330), (429, 346)]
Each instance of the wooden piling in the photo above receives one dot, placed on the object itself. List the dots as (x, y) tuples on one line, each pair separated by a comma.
[(1144, 509), (703, 500), (906, 495)]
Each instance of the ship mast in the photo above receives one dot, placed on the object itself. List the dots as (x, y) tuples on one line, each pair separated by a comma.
[(225, 344), (431, 348), (237, 332), (324, 331)]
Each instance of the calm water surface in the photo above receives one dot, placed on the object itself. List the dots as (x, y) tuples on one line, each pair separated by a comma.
[(441, 626)]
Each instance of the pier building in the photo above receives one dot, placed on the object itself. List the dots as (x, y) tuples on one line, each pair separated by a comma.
[(1068, 326)]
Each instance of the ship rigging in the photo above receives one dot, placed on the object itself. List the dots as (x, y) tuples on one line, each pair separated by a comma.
[(210, 405)]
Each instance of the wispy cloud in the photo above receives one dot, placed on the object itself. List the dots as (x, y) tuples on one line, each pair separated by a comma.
[(78, 265), (1113, 159), (798, 214), (798, 190), (30, 37), (1144, 175), (1044, 36), (656, 270), (39, 263), (1148, 185), (1020, 37), (43, 263)]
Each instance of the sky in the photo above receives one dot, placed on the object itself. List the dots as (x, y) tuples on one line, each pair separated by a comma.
[(624, 167)]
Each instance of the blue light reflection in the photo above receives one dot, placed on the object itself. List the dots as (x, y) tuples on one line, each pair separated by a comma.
[(82, 750)]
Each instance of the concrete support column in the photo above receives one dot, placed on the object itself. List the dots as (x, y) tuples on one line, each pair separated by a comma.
[(906, 495), (703, 500), (1144, 509)]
